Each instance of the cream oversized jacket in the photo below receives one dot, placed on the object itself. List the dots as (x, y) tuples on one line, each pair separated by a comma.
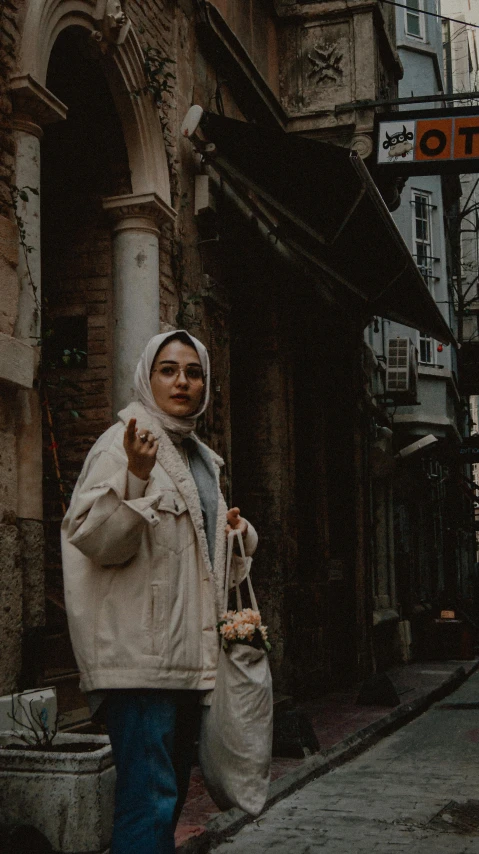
[(142, 597)]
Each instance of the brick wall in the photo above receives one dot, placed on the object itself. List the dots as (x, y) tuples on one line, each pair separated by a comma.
[(170, 28), (80, 397)]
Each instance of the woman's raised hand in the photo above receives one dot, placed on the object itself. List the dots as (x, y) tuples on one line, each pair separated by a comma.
[(141, 447), (236, 522)]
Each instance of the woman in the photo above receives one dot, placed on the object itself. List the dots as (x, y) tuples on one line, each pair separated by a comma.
[(144, 554)]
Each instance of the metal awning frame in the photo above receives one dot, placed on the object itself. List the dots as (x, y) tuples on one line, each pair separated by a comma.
[(247, 189), (235, 182)]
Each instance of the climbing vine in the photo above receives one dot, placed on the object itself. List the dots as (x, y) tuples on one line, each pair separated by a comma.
[(160, 78), (21, 194)]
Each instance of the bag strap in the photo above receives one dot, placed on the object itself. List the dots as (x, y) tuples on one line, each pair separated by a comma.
[(229, 558)]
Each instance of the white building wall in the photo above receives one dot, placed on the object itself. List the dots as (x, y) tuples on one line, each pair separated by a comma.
[(423, 75), (461, 58)]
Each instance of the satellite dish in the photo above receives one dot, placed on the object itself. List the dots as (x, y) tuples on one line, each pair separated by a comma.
[(191, 121), (416, 446)]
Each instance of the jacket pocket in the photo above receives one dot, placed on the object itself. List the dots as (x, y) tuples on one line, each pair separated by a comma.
[(159, 620), (173, 529)]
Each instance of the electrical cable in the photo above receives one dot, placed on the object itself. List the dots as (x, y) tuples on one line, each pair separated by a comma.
[(432, 14)]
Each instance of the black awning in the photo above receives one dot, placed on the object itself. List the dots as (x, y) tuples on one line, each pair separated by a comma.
[(327, 208)]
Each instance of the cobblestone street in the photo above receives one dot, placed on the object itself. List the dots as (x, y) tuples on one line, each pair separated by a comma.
[(408, 793)]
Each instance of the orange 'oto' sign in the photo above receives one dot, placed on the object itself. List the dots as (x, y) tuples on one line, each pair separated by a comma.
[(430, 142)]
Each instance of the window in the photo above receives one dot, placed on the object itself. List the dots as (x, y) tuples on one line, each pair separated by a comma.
[(422, 238), (426, 350), (414, 19), (422, 251)]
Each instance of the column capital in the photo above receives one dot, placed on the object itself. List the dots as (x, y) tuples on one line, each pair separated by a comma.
[(34, 106), (138, 212)]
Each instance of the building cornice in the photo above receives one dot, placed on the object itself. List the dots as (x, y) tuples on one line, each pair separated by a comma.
[(254, 95)]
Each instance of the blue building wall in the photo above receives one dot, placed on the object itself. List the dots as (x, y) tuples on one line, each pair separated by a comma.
[(423, 75)]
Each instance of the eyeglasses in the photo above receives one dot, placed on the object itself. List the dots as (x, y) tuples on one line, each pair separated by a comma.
[(171, 370)]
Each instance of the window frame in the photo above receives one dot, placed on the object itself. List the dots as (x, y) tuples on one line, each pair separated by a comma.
[(418, 242), (426, 344), (420, 17)]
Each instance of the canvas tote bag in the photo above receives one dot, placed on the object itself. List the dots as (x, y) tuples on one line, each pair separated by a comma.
[(237, 729)]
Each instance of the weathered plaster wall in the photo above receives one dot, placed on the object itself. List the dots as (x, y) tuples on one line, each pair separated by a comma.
[(10, 566), (8, 41), (8, 231), (255, 27), (11, 599)]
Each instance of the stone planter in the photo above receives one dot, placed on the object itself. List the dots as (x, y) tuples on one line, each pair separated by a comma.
[(67, 796)]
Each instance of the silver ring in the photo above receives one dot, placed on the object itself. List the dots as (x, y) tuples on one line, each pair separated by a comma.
[(143, 437)]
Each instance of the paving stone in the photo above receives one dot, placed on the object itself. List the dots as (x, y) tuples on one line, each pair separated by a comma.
[(391, 799)]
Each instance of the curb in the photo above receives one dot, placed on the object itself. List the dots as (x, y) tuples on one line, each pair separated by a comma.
[(228, 823)]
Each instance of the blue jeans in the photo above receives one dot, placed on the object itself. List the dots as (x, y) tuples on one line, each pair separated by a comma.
[(152, 734)]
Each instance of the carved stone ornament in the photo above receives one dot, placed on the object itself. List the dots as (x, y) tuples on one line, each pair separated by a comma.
[(113, 23), (326, 63), (137, 212), (363, 144)]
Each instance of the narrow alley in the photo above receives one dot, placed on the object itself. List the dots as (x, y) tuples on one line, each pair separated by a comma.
[(416, 790)]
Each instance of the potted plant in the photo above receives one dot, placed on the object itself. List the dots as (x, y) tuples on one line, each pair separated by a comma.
[(61, 784)]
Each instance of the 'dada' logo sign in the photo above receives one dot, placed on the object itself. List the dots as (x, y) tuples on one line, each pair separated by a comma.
[(431, 144), (396, 142)]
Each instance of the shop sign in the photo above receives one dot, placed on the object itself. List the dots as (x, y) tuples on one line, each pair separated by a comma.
[(429, 142), (469, 450)]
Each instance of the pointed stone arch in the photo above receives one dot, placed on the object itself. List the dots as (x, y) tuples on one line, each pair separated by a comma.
[(43, 23)]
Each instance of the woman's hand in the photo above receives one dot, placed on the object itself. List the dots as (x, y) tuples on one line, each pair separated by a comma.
[(141, 447), (236, 522)]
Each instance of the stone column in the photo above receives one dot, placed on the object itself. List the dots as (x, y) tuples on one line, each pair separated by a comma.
[(34, 107), (136, 284)]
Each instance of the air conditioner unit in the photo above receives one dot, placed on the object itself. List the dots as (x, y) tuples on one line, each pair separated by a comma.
[(401, 371)]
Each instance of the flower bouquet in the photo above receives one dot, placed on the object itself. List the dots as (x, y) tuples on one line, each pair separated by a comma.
[(243, 627)]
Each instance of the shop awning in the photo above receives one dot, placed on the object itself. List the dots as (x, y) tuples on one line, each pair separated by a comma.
[(327, 208)]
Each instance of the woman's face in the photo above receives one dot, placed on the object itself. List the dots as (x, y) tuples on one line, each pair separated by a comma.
[(177, 380)]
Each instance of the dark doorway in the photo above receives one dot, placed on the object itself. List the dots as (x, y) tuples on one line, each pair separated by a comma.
[(84, 159)]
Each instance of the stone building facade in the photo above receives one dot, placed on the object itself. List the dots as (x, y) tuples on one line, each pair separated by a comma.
[(115, 241)]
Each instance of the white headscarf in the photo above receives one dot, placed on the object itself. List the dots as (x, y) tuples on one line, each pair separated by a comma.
[(182, 426)]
